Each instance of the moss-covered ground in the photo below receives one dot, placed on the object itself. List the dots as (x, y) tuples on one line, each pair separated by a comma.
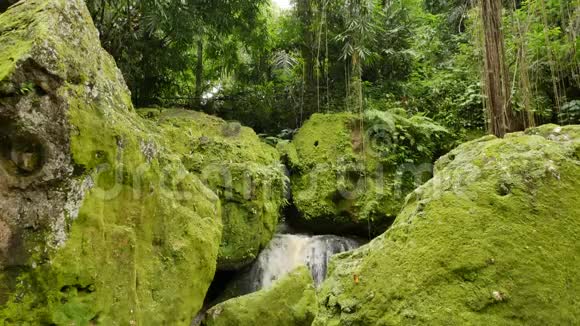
[(491, 239), (290, 301)]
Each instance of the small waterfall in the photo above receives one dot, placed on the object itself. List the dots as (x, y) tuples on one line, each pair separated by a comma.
[(284, 254), (288, 251)]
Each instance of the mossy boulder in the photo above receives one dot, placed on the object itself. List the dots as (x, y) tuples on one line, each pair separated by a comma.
[(245, 172), (100, 220), (350, 173), (290, 301), (492, 239)]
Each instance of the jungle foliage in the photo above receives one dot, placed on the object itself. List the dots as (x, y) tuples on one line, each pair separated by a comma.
[(271, 69)]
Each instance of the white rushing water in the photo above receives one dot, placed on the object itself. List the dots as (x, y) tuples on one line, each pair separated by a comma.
[(288, 251), (284, 254)]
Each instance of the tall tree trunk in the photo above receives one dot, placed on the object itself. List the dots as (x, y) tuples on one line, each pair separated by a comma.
[(101, 22), (356, 99), (497, 86), (306, 15), (199, 74)]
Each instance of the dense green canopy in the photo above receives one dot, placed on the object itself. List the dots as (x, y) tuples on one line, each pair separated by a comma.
[(271, 68)]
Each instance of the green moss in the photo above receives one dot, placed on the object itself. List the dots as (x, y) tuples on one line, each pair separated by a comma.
[(288, 152), (491, 239), (351, 175), (245, 172), (14, 41), (291, 301), (143, 248)]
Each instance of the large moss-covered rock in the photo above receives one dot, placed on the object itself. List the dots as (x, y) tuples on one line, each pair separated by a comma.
[(100, 221), (245, 172), (492, 239), (291, 301), (350, 174)]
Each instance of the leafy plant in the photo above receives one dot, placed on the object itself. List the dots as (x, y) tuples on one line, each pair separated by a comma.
[(570, 113), (26, 88)]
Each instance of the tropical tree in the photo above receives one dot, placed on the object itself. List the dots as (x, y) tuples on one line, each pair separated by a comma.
[(361, 30), (497, 82), (154, 41)]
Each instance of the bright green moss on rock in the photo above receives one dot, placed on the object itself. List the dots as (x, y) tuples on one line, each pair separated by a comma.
[(350, 175), (492, 239), (100, 220), (244, 171), (14, 40), (291, 301)]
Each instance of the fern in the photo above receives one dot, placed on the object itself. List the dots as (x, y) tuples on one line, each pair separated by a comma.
[(395, 136), (570, 113), (283, 60)]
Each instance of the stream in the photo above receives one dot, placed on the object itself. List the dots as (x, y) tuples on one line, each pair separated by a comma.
[(288, 251), (285, 253)]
